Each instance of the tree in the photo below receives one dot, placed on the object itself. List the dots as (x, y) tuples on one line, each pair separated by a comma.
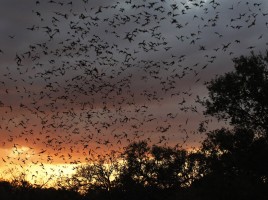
[(96, 177), (153, 172), (168, 167), (236, 157), (241, 96), (134, 172)]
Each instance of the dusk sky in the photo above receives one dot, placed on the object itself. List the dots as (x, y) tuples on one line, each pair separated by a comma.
[(80, 78)]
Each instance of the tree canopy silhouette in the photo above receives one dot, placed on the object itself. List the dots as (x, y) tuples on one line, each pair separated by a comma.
[(241, 96), (236, 157), (140, 171)]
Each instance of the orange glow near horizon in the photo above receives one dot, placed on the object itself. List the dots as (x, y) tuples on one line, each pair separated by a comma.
[(27, 163), (19, 163)]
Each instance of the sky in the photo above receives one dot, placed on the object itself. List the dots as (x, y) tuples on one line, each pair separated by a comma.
[(81, 78)]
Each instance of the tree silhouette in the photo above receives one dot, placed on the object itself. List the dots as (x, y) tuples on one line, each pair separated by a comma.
[(236, 158), (96, 179), (141, 171), (241, 96), (168, 167), (136, 165)]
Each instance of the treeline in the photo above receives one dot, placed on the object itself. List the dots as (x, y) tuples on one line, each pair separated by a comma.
[(23, 190), (228, 166), (232, 163)]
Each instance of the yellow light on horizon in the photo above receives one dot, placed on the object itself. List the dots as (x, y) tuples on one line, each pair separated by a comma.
[(16, 164)]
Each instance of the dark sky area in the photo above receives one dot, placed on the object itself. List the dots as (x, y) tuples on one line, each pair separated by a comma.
[(79, 77)]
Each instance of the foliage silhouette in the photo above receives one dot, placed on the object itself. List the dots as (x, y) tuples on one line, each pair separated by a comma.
[(150, 172), (241, 96), (141, 171), (236, 160), (27, 191)]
